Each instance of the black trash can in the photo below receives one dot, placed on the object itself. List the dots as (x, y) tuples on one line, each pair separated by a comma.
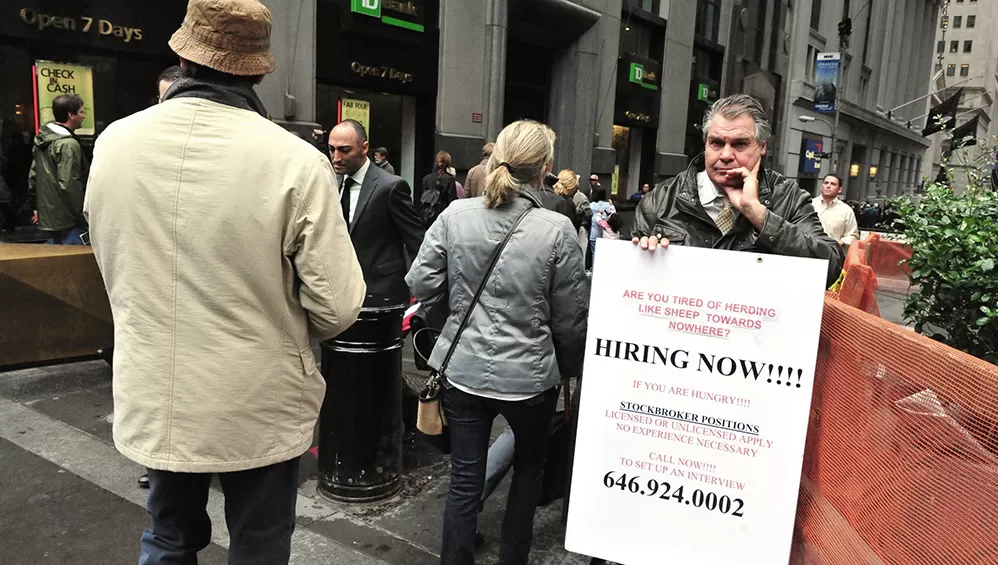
[(360, 426)]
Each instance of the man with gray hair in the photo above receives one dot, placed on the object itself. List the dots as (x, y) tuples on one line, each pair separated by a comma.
[(726, 199)]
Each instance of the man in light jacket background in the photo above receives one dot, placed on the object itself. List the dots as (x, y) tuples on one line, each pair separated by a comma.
[(222, 248)]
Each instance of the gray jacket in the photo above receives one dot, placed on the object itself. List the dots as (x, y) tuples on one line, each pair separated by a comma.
[(529, 328)]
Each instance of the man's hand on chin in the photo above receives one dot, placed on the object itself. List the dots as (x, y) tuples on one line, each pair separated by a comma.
[(746, 198)]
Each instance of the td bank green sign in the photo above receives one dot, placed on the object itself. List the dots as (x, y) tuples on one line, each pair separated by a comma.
[(406, 14), (641, 78)]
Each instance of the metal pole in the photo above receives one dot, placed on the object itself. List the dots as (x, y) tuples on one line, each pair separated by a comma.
[(838, 102)]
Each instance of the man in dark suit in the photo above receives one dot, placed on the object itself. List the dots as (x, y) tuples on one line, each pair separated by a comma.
[(378, 208)]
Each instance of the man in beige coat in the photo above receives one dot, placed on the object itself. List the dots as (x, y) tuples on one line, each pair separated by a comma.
[(222, 247)]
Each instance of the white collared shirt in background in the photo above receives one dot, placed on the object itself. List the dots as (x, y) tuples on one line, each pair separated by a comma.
[(837, 219)]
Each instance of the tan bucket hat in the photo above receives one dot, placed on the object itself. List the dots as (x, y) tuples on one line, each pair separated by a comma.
[(231, 36)]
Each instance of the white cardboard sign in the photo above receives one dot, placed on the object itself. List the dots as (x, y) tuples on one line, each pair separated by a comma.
[(695, 402)]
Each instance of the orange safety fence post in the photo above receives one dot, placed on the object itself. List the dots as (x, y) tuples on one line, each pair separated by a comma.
[(901, 460), (859, 282)]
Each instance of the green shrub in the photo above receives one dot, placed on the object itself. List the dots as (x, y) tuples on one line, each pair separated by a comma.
[(954, 241)]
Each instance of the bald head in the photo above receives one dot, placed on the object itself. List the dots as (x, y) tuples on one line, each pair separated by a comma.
[(348, 147)]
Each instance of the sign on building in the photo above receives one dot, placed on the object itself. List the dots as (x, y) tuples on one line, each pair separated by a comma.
[(406, 14), (810, 156), (826, 76), (359, 110), (54, 79)]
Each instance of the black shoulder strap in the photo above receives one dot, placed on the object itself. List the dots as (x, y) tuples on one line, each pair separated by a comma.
[(493, 260)]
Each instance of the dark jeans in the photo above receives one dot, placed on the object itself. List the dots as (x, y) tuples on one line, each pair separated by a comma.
[(68, 236), (259, 512), (469, 420)]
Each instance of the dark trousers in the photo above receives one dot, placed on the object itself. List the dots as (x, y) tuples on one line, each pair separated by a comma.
[(469, 420), (259, 512)]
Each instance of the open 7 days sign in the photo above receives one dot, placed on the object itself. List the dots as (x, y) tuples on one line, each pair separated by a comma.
[(406, 14)]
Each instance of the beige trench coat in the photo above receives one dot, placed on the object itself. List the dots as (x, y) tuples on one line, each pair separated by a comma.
[(222, 245)]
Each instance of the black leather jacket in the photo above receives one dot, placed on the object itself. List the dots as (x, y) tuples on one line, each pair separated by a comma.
[(673, 210)]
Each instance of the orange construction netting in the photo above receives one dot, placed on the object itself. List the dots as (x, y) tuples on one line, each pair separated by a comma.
[(901, 465)]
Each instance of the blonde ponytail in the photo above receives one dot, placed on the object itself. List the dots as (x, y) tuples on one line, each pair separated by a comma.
[(568, 181), (521, 151)]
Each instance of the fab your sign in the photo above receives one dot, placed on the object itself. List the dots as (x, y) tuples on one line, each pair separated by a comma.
[(695, 404)]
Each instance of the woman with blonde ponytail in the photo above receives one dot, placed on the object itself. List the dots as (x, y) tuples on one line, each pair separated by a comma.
[(526, 332)]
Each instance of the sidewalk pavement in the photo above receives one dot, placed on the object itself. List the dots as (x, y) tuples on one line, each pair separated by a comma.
[(70, 497)]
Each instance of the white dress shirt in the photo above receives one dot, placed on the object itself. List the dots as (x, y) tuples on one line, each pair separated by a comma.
[(358, 182), (837, 219), (711, 197)]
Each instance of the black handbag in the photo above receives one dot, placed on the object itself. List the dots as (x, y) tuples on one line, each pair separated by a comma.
[(430, 419)]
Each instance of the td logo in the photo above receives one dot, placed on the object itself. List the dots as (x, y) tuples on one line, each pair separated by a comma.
[(366, 7), (639, 76), (637, 72)]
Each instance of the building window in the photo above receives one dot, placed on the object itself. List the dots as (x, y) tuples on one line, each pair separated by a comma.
[(646, 5), (967, 46), (940, 46), (708, 19), (864, 86), (939, 67), (815, 14), (954, 46), (971, 21), (951, 70), (959, 1), (964, 70), (812, 57), (957, 21)]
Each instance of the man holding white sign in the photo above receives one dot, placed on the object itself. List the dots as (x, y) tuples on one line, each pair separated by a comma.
[(698, 390), (726, 200)]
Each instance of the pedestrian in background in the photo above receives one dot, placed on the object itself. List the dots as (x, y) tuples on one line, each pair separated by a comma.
[(166, 79), (59, 170), (474, 183), (381, 160), (532, 312), (837, 218), (601, 208), (458, 189), (567, 186), (637, 196), (384, 227), (223, 251), (439, 189)]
